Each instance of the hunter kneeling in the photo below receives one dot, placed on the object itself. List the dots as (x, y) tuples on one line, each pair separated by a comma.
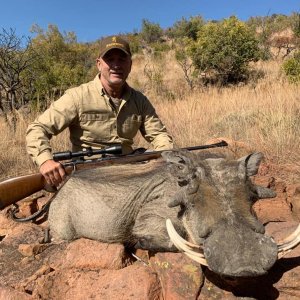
[(101, 113)]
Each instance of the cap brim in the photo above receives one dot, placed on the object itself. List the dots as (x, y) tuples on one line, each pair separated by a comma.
[(119, 48)]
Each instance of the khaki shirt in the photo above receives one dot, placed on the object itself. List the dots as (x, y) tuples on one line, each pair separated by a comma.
[(94, 122)]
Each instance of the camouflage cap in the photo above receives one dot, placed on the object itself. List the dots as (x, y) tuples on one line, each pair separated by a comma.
[(114, 42)]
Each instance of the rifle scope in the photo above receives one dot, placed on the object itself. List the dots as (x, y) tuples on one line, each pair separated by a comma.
[(58, 156)]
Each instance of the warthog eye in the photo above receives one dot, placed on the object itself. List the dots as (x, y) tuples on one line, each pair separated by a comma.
[(183, 182)]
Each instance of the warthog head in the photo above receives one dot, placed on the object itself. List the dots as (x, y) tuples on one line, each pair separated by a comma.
[(216, 201)]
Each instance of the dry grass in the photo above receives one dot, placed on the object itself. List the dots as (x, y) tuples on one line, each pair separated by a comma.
[(264, 115), (14, 160)]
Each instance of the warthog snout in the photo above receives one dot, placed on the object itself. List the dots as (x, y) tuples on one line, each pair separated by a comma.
[(239, 251)]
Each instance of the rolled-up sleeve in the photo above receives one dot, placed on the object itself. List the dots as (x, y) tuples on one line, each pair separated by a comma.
[(54, 120)]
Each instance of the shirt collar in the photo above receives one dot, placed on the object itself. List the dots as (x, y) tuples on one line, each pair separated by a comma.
[(126, 94)]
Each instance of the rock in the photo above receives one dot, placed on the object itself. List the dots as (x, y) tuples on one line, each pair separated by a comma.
[(6, 224), (31, 249), (27, 207), (133, 282), (28, 285), (85, 253), (272, 210), (7, 293), (180, 277), (23, 233)]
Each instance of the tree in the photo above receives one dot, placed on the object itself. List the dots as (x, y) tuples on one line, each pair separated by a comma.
[(181, 55), (291, 68), (150, 32), (15, 58), (268, 29), (186, 28), (60, 63), (225, 49)]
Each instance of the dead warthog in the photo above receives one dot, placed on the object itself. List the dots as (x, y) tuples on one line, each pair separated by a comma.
[(161, 204)]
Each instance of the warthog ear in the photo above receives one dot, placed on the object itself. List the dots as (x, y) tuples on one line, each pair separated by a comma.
[(252, 162)]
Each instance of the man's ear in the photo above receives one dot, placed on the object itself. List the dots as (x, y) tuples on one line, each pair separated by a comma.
[(98, 64)]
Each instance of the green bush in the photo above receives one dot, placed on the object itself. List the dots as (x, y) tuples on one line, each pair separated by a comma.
[(291, 68), (135, 43), (225, 49), (151, 32), (159, 48), (186, 28)]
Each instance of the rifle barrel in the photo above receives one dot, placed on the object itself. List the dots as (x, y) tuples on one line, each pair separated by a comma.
[(216, 145)]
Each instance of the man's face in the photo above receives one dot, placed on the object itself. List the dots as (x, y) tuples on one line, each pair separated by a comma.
[(114, 67)]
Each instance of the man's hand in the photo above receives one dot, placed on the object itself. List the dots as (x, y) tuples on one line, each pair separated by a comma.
[(53, 172)]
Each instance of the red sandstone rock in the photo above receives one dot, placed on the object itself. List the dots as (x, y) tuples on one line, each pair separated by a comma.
[(180, 277), (31, 249), (85, 253), (133, 282), (7, 293)]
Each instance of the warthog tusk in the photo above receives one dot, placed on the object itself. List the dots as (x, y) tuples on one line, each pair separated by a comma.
[(186, 247), (289, 242), (197, 257), (174, 233)]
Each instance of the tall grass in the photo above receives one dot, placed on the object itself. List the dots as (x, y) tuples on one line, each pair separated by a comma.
[(262, 115)]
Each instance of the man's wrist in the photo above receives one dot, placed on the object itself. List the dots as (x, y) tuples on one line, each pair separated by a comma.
[(43, 157)]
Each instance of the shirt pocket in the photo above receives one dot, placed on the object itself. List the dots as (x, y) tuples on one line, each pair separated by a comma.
[(130, 127), (96, 126)]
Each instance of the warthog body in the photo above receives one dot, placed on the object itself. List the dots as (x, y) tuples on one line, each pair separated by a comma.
[(209, 201)]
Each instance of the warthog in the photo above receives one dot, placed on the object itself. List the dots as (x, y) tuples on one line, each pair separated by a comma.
[(207, 200)]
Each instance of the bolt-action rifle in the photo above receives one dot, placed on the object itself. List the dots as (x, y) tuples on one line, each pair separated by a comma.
[(18, 188)]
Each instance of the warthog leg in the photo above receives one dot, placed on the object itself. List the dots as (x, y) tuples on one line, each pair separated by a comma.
[(193, 251), (289, 243)]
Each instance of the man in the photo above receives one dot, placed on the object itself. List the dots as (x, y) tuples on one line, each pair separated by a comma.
[(100, 113)]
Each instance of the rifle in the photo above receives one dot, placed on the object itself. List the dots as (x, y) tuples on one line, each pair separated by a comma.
[(18, 188)]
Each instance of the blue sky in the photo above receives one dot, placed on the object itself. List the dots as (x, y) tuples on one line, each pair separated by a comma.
[(92, 19)]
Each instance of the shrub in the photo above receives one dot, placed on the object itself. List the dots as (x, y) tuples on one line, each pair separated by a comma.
[(186, 28), (225, 49), (291, 68), (151, 32), (185, 62)]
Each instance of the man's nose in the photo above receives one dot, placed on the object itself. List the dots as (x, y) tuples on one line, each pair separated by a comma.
[(115, 65)]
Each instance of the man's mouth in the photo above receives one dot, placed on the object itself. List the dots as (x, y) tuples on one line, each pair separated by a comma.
[(116, 73)]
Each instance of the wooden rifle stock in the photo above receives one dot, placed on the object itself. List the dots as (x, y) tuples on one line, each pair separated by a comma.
[(18, 188), (15, 189)]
